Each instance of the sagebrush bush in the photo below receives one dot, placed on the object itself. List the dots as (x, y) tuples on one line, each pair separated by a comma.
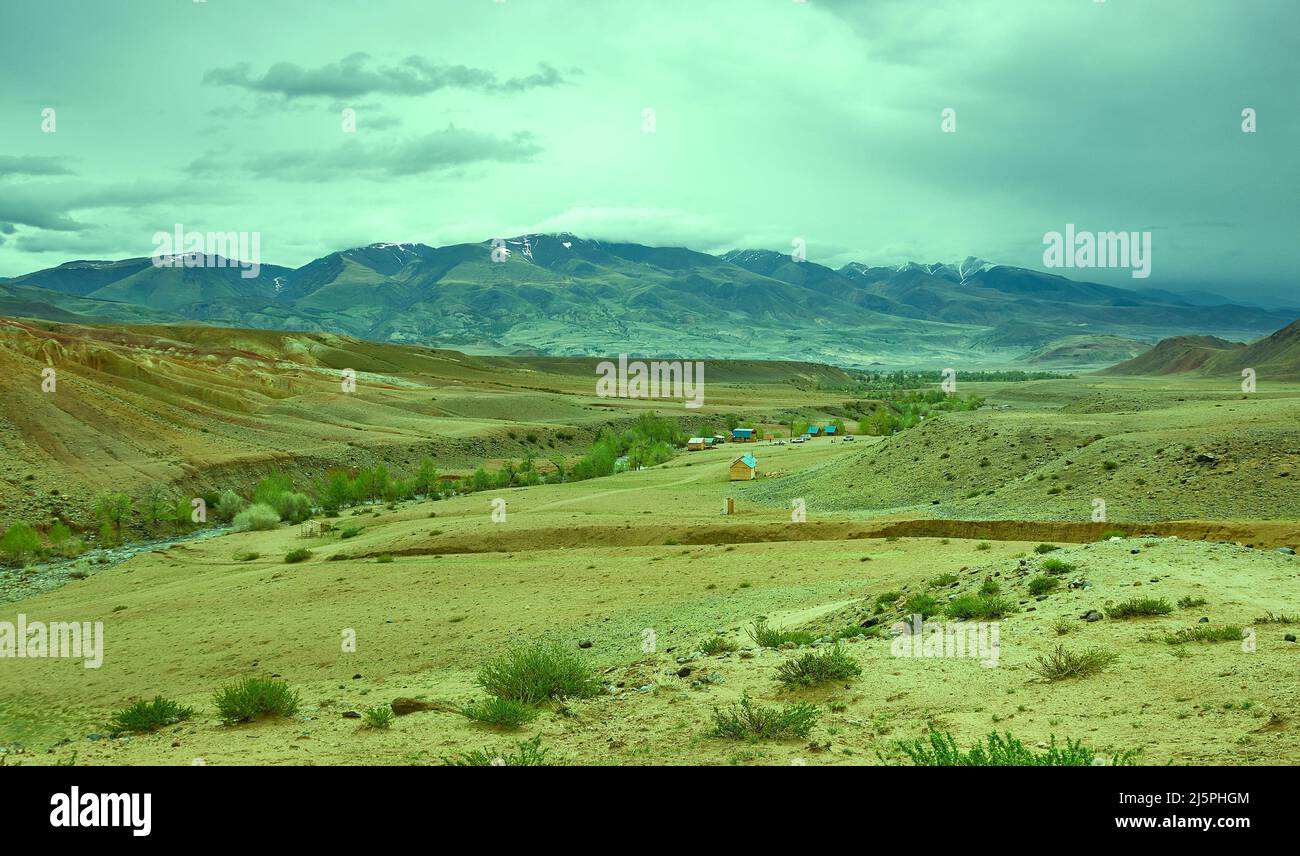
[(1141, 606), (537, 672), (255, 698), (745, 721), (145, 716), (256, 518), (298, 554), (1046, 548), (887, 598), (1190, 602), (943, 580), (228, 505), (818, 667), (1043, 584), (1056, 566), (768, 637), (1205, 633), (717, 645), (998, 750), (293, 506), (1062, 664), (978, 607), (502, 712), (528, 754), (921, 604)]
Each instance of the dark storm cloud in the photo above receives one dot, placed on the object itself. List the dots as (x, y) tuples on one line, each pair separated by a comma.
[(428, 153), (31, 165), (353, 77)]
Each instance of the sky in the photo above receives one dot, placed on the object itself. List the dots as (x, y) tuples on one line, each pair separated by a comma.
[(711, 124)]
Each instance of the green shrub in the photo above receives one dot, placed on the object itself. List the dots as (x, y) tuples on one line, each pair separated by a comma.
[(1046, 548), (1113, 533), (888, 598), (293, 507), (1062, 664), (1043, 584), (298, 554), (854, 630), (1206, 633), (922, 604), (385, 559), (830, 664), (990, 587), (247, 556), (717, 645), (1064, 625), (378, 717), (255, 698), (1140, 606), (145, 716), (745, 721), (537, 672), (1056, 566), (984, 545), (503, 712), (943, 581), (940, 750), (980, 607), (1190, 602), (351, 532), (529, 754), (767, 637), (256, 518), (228, 505), (20, 542)]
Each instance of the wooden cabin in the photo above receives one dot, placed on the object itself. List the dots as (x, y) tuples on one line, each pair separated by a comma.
[(695, 444), (744, 468), (743, 435)]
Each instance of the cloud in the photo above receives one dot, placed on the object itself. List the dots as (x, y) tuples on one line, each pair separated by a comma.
[(433, 152), (353, 77), (31, 165)]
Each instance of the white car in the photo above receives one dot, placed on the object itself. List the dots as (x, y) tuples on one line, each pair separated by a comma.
[(848, 438), (799, 440)]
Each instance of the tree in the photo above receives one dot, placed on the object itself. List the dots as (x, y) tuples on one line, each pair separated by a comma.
[(20, 541), (228, 505), (337, 490), (111, 509), (426, 478)]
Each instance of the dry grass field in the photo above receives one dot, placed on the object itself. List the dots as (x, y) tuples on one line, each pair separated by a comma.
[(641, 580)]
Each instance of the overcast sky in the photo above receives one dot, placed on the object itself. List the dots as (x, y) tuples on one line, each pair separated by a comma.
[(773, 120)]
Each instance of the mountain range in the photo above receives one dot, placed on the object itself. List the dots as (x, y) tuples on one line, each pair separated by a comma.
[(564, 295)]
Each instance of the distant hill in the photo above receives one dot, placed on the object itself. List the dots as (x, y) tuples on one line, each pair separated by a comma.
[(1277, 355), (567, 296)]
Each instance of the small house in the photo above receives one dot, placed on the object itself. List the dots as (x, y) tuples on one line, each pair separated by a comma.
[(695, 444), (744, 468), (814, 431), (830, 429), (742, 435), (718, 438)]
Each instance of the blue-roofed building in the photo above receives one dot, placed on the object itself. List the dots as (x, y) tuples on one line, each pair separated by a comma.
[(742, 435), (830, 429), (744, 468)]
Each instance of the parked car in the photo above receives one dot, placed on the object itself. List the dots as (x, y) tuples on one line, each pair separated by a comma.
[(848, 438), (799, 440)]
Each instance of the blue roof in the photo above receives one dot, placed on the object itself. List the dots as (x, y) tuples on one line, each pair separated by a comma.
[(830, 429), (741, 432), (748, 460)]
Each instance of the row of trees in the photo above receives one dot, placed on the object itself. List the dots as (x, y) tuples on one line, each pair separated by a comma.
[(278, 498)]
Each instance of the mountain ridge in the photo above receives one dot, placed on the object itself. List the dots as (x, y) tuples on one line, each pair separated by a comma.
[(567, 295)]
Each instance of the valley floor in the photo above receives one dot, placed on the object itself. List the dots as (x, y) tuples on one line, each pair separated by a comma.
[(606, 560)]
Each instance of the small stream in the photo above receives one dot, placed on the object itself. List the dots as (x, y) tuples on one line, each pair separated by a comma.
[(19, 583)]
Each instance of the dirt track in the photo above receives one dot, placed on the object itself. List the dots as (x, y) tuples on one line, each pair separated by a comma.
[(1250, 533)]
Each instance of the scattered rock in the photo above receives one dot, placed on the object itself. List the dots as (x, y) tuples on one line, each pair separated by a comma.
[(1092, 615), (1203, 620), (352, 714), (1290, 637), (1286, 551), (585, 643), (684, 672)]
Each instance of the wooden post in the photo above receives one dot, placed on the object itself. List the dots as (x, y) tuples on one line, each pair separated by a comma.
[(731, 505)]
